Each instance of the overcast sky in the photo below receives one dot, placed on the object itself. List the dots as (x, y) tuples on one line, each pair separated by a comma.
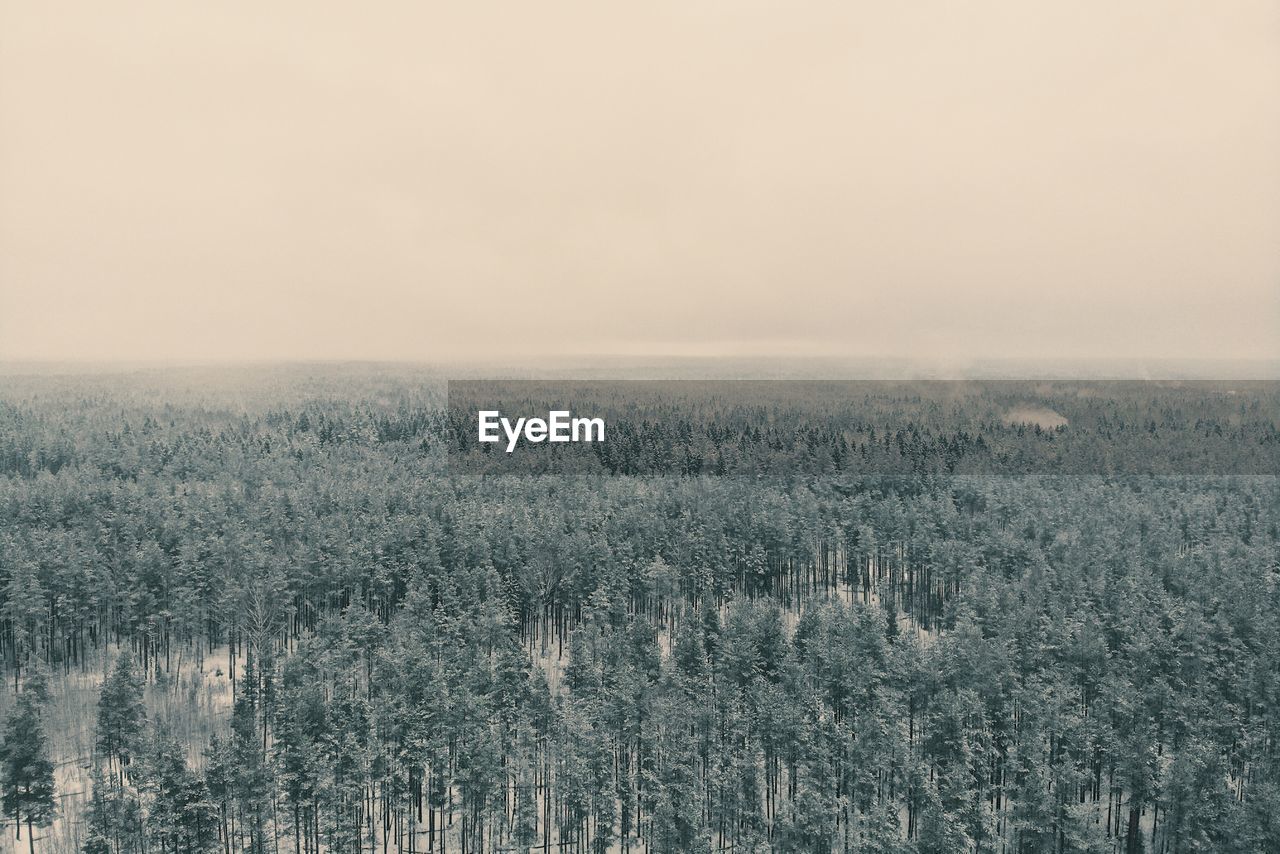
[(247, 180)]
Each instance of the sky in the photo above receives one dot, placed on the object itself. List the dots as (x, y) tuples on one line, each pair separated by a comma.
[(332, 180)]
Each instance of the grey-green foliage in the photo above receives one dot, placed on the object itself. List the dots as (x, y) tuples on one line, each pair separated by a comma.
[(26, 770)]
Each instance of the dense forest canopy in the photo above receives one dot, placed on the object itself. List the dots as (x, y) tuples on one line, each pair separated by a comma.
[(823, 427), (257, 613)]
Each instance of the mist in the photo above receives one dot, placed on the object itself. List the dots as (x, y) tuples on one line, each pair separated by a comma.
[(393, 181)]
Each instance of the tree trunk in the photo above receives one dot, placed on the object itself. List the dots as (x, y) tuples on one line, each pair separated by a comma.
[(1133, 839)]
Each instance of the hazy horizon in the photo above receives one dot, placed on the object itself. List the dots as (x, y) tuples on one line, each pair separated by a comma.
[(304, 182), (659, 366)]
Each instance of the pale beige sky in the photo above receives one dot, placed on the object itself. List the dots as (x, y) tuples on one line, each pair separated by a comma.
[(415, 180)]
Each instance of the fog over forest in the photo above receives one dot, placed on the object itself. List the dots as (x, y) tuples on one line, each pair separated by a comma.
[(935, 505)]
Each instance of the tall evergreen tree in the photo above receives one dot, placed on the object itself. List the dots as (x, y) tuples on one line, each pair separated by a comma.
[(121, 713), (26, 772), (182, 817), (97, 818)]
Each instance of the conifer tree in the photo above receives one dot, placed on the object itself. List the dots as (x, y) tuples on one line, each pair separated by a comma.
[(183, 818), (121, 713), (26, 772), (97, 821)]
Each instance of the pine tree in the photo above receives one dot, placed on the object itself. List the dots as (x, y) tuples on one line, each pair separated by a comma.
[(525, 830), (22, 607), (182, 815), (251, 784), (98, 832), (25, 769), (37, 682), (121, 713)]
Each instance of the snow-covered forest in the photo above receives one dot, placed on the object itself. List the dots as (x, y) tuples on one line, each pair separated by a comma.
[(260, 615)]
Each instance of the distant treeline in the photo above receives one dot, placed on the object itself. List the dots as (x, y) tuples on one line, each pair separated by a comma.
[(788, 427)]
